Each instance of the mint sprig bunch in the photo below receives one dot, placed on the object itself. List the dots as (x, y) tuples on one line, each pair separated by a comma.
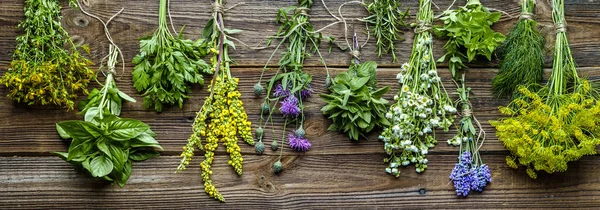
[(167, 65), (469, 34)]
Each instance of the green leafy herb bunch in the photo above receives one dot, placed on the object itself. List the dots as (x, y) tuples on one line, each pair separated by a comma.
[(556, 124), (104, 144), (166, 65), (355, 104), (290, 85), (421, 106), (42, 70), (469, 34), (386, 20), (222, 116), (522, 55)]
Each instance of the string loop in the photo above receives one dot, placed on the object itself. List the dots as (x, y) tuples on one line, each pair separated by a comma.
[(561, 28), (526, 16)]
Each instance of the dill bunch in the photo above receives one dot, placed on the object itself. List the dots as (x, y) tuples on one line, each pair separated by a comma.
[(421, 106), (222, 116), (557, 124), (42, 71), (521, 54), (386, 20)]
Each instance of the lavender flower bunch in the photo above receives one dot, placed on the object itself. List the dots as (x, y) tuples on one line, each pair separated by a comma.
[(421, 106), (469, 174)]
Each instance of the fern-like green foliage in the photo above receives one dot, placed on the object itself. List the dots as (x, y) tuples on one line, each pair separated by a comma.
[(522, 55)]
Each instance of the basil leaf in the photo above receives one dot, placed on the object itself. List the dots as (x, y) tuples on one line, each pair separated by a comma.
[(101, 166), (141, 155), (61, 132), (124, 129), (103, 147), (91, 113), (80, 130)]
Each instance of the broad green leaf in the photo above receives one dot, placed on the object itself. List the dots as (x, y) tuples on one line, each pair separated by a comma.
[(124, 129), (101, 166), (126, 97), (61, 132), (90, 114), (141, 155)]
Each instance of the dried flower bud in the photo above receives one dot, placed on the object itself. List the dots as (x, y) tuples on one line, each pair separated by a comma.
[(258, 89), (277, 166), (259, 147), (328, 82), (300, 132), (259, 133), (274, 146), (265, 107)]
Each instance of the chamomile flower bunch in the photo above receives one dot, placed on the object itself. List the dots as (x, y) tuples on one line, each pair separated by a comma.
[(421, 106)]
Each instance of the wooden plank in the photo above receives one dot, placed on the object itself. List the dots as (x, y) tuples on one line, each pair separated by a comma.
[(31, 131), (257, 19), (308, 182)]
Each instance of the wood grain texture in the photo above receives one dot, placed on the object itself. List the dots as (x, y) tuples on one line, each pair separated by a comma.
[(335, 173)]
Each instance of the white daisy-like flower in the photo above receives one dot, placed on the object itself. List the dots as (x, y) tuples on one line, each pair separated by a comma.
[(405, 66), (405, 88), (389, 115)]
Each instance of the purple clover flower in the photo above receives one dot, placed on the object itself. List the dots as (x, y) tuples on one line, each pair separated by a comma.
[(280, 92), (298, 143), (289, 106), (306, 92)]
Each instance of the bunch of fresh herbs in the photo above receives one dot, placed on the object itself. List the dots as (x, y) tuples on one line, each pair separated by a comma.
[(42, 70), (522, 55), (290, 85), (469, 174), (355, 104), (469, 34), (387, 21), (421, 106), (103, 143), (557, 124), (166, 65), (222, 116)]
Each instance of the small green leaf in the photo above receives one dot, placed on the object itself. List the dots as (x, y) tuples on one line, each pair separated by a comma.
[(61, 132), (126, 97)]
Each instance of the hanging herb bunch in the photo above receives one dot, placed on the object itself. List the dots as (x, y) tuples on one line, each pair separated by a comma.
[(222, 116), (469, 174), (104, 144), (522, 55), (421, 106), (166, 65), (386, 20), (290, 85), (469, 34), (557, 124), (354, 104), (42, 70)]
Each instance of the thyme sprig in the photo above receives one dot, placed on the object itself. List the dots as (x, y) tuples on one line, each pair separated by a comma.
[(42, 70), (421, 106), (166, 65), (522, 55), (556, 124), (222, 116)]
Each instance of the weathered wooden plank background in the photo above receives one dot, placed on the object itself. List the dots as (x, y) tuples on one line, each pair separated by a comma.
[(335, 173)]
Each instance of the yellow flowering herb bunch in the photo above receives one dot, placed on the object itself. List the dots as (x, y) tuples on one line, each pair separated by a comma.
[(222, 116), (42, 70), (557, 124)]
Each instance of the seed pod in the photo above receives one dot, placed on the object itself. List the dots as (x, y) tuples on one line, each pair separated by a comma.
[(266, 108), (259, 147), (300, 132), (274, 146), (277, 167), (259, 133), (258, 89)]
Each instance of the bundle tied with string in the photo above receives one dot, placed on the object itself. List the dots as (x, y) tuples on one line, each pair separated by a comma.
[(559, 122), (521, 55), (222, 117), (470, 173), (290, 86), (103, 152), (354, 103), (421, 106)]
